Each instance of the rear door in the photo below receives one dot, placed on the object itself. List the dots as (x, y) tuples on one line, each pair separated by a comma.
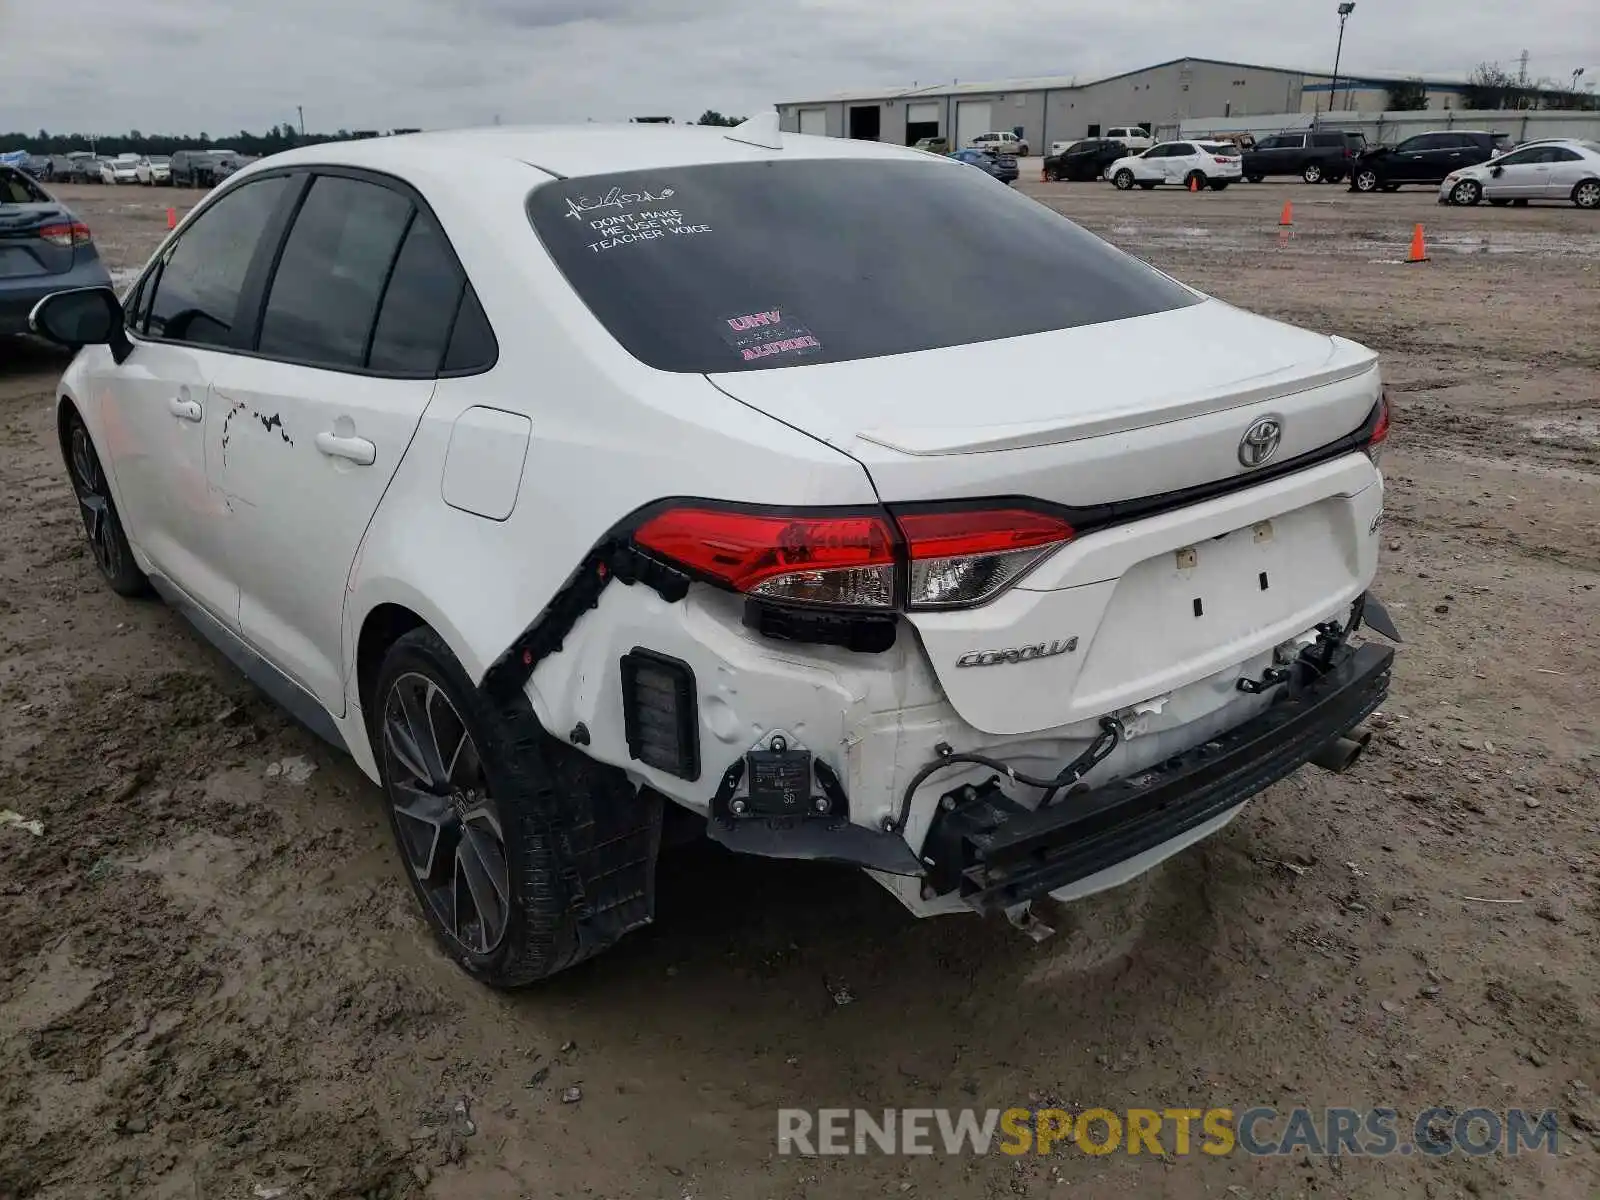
[(1568, 168), (1447, 152), (1406, 162), (354, 325)]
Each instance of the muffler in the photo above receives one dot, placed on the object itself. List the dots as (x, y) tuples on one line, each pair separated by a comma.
[(1340, 754)]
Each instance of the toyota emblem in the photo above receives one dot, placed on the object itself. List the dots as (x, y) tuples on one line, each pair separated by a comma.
[(1260, 441)]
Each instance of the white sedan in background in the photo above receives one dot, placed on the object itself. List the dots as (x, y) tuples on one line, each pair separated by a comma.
[(119, 170), (1199, 164), (1553, 170), (154, 169)]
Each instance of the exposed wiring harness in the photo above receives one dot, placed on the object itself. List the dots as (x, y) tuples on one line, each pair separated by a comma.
[(1110, 736)]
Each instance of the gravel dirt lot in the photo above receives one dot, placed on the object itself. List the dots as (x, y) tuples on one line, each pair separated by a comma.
[(213, 981)]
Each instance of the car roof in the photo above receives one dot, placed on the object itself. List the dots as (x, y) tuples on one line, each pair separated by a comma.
[(576, 150)]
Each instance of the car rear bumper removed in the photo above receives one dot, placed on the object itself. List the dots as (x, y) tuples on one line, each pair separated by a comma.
[(997, 853)]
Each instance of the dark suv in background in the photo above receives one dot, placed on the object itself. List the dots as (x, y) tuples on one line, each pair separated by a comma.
[(1084, 160), (202, 168), (1316, 155), (1424, 158)]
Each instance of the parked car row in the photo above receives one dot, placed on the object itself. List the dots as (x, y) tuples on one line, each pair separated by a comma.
[(186, 168)]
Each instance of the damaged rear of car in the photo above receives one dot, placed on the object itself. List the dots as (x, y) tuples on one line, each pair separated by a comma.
[(1058, 635)]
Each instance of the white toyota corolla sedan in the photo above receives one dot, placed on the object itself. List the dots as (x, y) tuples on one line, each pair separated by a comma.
[(582, 483)]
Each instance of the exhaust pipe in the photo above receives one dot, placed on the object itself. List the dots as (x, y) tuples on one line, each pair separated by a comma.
[(1340, 754)]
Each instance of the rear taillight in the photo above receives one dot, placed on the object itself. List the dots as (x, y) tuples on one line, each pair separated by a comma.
[(846, 561), (1380, 430), (74, 234), (949, 558), (964, 557)]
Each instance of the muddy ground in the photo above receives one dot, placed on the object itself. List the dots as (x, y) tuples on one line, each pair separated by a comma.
[(214, 983)]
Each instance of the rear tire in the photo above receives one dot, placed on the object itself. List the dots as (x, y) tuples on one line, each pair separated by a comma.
[(1194, 179), (1587, 194), (505, 834), (108, 543), (1312, 173), (1122, 180)]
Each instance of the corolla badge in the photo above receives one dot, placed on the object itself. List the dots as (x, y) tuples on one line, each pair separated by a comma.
[(1260, 441), (1017, 654)]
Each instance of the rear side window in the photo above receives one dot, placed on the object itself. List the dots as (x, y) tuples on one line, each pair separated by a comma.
[(419, 304), (338, 256), (747, 265), (17, 188), (196, 293)]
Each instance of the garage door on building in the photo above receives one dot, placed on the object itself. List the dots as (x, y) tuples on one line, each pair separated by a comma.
[(814, 121), (972, 118), (922, 121)]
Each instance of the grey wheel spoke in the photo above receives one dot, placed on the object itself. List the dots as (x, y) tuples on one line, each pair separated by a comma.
[(448, 825), (481, 892), (415, 702), (397, 737), (427, 820)]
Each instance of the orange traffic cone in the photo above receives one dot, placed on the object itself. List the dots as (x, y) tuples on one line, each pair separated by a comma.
[(1288, 213), (1194, 183), (172, 218), (1419, 251)]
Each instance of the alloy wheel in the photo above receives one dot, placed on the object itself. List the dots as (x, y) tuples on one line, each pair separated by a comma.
[(1313, 173), (449, 826), (1587, 194), (1468, 192), (94, 502), (1366, 181), (1123, 180)]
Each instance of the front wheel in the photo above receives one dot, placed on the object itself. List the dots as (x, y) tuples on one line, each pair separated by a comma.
[(1587, 194), (1312, 173), (1365, 180), (1468, 192), (526, 856), (1123, 179), (108, 544)]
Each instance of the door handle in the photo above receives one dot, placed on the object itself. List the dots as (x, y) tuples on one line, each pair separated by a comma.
[(184, 410), (358, 450)]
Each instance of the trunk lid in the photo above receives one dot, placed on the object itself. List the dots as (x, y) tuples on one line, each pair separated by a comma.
[(22, 251), (1094, 418)]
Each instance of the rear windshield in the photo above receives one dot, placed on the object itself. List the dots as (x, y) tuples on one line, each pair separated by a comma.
[(741, 266), (1224, 149)]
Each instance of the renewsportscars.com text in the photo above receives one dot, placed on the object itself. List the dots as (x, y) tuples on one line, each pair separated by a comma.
[(1374, 1132)]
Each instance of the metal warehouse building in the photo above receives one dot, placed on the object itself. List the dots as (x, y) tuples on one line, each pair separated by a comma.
[(1058, 108)]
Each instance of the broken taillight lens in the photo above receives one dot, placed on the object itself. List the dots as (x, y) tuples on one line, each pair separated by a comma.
[(1380, 431), (966, 556), (949, 558), (839, 560)]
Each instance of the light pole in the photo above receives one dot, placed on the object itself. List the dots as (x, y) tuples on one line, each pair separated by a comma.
[(301, 109), (1575, 76), (1345, 10)]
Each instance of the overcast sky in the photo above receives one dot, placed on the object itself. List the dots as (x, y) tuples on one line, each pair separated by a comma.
[(218, 66)]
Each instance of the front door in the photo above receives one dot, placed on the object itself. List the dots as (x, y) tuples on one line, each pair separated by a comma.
[(158, 418), (1518, 176), (351, 340)]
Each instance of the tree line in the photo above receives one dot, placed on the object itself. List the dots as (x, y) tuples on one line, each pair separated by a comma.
[(277, 138)]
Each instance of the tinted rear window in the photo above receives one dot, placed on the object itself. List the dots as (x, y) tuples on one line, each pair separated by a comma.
[(738, 266)]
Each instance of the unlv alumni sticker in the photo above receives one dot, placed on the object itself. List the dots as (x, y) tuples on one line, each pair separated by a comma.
[(765, 334)]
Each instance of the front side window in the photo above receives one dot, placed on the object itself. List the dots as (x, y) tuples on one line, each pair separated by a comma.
[(324, 294), (196, 292), (748, 265), (1519, 158)]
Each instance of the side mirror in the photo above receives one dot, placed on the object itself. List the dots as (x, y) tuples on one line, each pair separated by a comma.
[(82, 317), (1497, 172)]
